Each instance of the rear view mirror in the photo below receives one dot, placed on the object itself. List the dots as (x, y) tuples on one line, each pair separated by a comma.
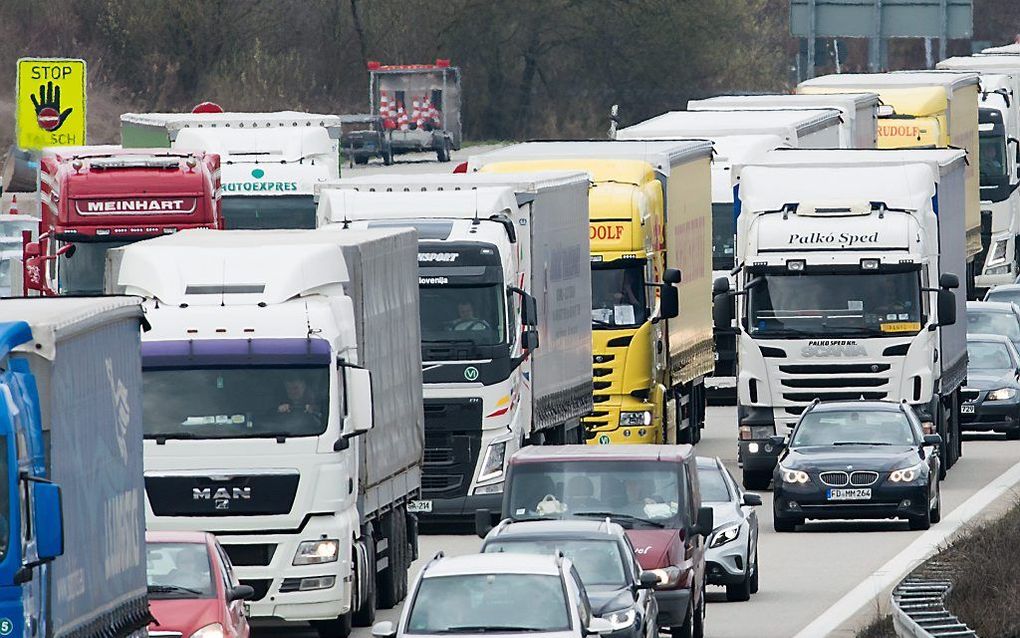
[(598, 626), (240, 592), (706, 521), (647, 580), (723, 310), (669, 302), (933, 439), (529, 307), (946, 300), (671, 276), (32, 249), (949, 281), (778, 440), (720, 286), (384, 629), (49, 514), (529, 339), (751, 499), (358, 393)]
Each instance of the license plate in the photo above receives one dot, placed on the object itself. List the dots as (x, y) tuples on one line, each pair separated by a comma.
[(419, 507), (850, 494), (966, 409)]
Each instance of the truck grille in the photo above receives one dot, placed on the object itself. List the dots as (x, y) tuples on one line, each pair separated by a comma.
[(237, 495), (260, 585), (802, 383), (835, 368), (254, 555), (453, 438)]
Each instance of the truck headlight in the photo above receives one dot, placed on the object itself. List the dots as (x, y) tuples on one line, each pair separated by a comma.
[(998, 270), (724, 535), (317, 552), (756, 432), (998, 252), (621, 619), (215, 630), (906, 474), (643, 417), (492, 464), (793, 476), (494, 488), (1002, 394)]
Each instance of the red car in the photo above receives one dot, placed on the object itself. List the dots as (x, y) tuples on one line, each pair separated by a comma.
[(193, 592)]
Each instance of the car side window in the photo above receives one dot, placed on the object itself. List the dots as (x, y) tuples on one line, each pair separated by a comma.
[(635, 566), (692, 493), (230, 579), (583, 606)]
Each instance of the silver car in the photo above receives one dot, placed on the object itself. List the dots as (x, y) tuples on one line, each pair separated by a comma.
[(732, 555), (484, 594)]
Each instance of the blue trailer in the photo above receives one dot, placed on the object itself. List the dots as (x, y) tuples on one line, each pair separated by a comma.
[(72, 530)]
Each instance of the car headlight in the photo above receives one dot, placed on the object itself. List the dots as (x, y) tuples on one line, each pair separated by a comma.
[(492, 464), (668, 576), (317, 552), (643, 417), (214, 630), (621, 619), (793, 476), (724, 535), (906, 474), (1002, 394)]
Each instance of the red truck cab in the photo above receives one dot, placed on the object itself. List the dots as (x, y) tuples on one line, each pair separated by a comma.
[(99, 197), (650, 490)]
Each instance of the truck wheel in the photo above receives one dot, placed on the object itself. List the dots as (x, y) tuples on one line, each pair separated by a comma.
[(756, 480), (339, 628), (391, 582), (443, 151), (361, 160), (365, 615), (387, 157)]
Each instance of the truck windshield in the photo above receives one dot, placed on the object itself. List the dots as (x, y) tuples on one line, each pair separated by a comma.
[(993, 159), (724, 229), (254, 213), (881, 304), (234, 402), (463, 313), (633, 493), (82, 273), (618, 295)]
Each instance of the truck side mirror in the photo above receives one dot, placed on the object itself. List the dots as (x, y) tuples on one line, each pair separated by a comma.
[(720, 286), (946, 307), (49, 526), (949, 281), (669, 302), (723, 311), (358, 398), (672, 276), (529, 310), (32, 249), (529, 339)]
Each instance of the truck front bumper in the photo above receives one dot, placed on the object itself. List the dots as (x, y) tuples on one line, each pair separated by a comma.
[(461, 509), (603, 426)]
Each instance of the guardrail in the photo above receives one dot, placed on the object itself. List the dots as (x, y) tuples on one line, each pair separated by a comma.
[(919, 605)]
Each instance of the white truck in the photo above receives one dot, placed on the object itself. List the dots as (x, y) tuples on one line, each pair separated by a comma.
[(848, 260), (282, 409), (999, 168), (505, 291), (270, 162), (858, 111)]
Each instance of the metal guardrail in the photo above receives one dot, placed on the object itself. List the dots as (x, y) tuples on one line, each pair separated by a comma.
[(919, 605)]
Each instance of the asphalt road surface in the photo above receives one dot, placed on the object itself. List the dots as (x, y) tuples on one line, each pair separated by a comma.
[(802, 574)]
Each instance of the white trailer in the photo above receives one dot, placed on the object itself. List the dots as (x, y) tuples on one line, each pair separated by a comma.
[(282, 409), (817, 128), (858, 111)]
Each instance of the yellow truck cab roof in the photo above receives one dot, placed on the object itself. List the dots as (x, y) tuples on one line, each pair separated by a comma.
[(633, 172), (915, 93)]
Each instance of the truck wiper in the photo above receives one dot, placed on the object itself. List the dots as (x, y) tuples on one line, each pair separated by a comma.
[(173, 589), (784, 332), (602, 324), (861, 443), (625, 517)]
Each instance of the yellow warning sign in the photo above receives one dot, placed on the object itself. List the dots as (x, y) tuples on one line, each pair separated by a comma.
[(50, 108)]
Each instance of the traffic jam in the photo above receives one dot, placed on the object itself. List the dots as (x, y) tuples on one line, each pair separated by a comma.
[(315, 375)]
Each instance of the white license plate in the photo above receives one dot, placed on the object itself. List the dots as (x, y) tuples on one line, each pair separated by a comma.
[(419, 507), (966, 409), (850, 494)]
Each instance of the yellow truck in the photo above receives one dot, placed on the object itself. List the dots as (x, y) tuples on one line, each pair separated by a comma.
[(925, 109), (649, 215)]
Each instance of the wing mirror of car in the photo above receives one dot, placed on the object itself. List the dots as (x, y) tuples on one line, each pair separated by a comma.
[(384, 629), (597, 626), (778, 440), (647, 580), (240, 592), (706, 521), (933, 439), (483, 522), (751, 499)]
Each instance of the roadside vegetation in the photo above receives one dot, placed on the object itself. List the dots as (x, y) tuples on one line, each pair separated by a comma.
[(880, 627)]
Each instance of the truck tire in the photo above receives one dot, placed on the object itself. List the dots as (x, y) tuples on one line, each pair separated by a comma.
[(339, 628), (387, 157), (443, 151), (365, 614), (391, 581)]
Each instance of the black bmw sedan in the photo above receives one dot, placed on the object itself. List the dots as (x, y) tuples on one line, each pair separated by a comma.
[(857, 460), (992, 396)]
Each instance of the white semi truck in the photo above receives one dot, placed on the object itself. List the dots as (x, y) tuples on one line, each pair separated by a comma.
[(999, 162), (270, 162), (505, 289), (282, 409), (848, 264)]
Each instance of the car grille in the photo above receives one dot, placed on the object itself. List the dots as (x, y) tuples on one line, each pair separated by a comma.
[(260, 585), (252, 555), (863, 479), (453, 436), (834, 479)]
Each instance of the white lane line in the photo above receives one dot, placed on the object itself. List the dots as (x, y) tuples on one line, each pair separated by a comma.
[(885, 576)]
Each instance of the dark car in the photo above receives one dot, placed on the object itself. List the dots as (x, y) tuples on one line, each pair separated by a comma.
[(1006, 293), (650, 490), (994, 318), (618, 589), (992, 396), (858, 460)]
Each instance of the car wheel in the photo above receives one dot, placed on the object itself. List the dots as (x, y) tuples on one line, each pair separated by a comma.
[(756, 480), (365, 615), (339, 628), (920, 522), (698, 631), (754, 575), (936, 512), (943, 462), (741, 591), (685, 630)]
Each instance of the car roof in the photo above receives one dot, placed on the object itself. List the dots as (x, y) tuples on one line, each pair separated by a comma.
[(869, 405), (707, 462), (176, 537), (669, 453), (501, 563), (985, 337), (990, 306), (1005, 287), (559, 528)]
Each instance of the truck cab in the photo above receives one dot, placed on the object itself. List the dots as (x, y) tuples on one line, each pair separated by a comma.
[(102, 197)]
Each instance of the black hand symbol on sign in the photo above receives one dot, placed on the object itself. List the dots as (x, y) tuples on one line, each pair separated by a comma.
[(47, 107)]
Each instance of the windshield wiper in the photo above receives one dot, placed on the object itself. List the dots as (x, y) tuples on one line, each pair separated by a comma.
[(626, 517), (602, 324), (861, 443), (784, 332), (482, 629), (173, 589)]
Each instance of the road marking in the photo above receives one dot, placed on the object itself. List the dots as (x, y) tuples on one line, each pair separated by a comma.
[(924, 546)]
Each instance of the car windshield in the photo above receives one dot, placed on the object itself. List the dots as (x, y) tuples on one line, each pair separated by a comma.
[(254, 213), (462, 313), (989, 355), (597, 562), (83, 272), (713, 485), (633, 493), (179, 570), (494, 603), (832, 305), (724, 228), (849, 427), (618, 295), (993, 323), (993, 158), (235, 402), (1008, 295)]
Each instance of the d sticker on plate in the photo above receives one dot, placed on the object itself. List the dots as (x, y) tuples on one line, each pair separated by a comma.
[(901, 326)]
